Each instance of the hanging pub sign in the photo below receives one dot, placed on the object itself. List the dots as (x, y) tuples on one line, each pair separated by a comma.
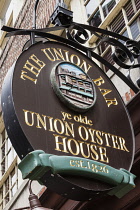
[(68, 123)]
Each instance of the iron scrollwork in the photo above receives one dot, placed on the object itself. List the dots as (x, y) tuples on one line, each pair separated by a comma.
[(78, 34)]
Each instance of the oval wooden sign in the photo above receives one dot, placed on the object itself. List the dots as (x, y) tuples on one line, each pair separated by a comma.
[(58, 100)]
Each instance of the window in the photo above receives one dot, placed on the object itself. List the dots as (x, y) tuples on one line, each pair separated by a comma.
[(9, 10), (9, 188), (7, 153), (100, 7), (108, 57), (107, 6), (129, 10), (135, 28), (98, 10), (8, 170), (102, 46), (96, 19), (124, 34), (137, 3), (118, 23), (91, 7)]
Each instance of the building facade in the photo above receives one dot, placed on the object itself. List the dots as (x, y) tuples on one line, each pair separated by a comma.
[(119, 16)]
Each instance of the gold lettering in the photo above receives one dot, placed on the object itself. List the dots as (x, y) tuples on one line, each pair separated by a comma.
[(88, 165), (59, 55), (70, 129), (81, 164), (85, 131), (27, 116), (99, 81), (37, 61), (30, 67), (67, 55), (104, 158), (106, 138), (89, 122), (105, 91), (111, 102), (63, 143), (84, 64), (60, 126), (77, 163), (48, 56), (93, 148), (122, 144), (51, 124), (115, 142), (77, 60), (76, 118), (66, 115), (105, 170), (99, 139), (77, 150), (39, 119), (71, 161), (91, 131), (23, 76), (94, 168), (82, 150)]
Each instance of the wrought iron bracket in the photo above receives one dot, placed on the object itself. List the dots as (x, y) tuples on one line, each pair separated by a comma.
[(78, 34)]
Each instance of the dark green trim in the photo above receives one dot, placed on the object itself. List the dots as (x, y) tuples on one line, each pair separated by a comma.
[(37, 163)]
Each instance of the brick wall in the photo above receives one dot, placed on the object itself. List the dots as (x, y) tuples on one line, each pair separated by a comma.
[(15, 44)]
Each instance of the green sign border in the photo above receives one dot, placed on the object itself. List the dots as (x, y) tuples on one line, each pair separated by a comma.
[(37, 163)]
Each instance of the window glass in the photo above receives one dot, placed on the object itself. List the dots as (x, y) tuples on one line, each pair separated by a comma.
[(10, 158), (96, 19), (102, 46), (9, 187), (124, 34), (91, 7), (1, 197), (8, 172), (129, 10), (3, 151), (108, 57), (7, 198), (3, 166), (134, 27), (13, 190), (107, 6), (118, 23), (9, 144), (137, 3), (13, 177)]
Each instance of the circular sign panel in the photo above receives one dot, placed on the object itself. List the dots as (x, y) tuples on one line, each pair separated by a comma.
[(58, 100)]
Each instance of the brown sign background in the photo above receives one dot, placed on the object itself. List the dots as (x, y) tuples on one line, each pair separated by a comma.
[(40, 120)]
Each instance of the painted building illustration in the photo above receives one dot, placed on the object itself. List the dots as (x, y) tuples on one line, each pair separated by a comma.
[(75, 85)]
